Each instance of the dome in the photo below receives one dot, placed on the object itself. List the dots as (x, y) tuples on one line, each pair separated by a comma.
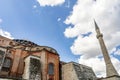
[(33, 46)]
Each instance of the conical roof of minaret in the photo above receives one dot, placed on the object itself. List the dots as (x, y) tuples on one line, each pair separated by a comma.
[(96, 26)]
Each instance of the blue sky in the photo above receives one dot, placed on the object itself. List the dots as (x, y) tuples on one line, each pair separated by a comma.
[(42, 25), (67, 26)]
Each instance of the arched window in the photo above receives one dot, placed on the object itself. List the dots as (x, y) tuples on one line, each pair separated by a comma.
[(1, 56), (7, 64), (51, 69)]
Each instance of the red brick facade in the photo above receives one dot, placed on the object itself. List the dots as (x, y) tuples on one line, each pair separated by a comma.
[(17, 52)]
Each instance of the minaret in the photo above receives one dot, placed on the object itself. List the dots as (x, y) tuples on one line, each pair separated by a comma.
[(110, 70)]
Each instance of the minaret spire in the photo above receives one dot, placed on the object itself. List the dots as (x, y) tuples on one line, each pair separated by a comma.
[(96, 26), (110, 70)]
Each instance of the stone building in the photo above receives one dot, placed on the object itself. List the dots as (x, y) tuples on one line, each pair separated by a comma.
[(25, 60), (75, 71)]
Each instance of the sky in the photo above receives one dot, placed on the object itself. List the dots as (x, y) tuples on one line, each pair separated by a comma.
[(67, 26)]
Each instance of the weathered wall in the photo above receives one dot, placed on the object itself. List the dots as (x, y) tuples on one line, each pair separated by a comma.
[(42, 55), (53, 58), (68, 72), (32, 69), (16, 60), (4, 41), (47, 57), (75, 71)]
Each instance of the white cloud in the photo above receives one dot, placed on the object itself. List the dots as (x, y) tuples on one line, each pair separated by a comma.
[(50, 2), (59, 19), (106, 13), (5, 34), (116, 50), (98, 64), (34, 6), (85, 46), (94, 63)]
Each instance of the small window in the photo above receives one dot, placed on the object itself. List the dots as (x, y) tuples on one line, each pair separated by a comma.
[(1, 56), (2, 41), (7, 64), (51, 69)]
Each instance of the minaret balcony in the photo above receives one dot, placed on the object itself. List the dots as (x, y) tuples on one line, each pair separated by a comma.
[(99, 35)]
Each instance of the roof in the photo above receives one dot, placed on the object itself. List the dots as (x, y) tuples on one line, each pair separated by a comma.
[(25, 42), (31, 46)]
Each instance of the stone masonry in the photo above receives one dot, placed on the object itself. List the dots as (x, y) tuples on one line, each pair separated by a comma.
[(75, 71)]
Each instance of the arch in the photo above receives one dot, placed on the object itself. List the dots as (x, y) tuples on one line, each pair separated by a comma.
[(51, 69), (11, 43)]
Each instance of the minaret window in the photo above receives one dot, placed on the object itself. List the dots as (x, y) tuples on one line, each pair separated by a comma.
[(51, 69)]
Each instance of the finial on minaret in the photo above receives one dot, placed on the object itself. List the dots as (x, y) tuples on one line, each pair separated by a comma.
[(96, 26), (99, 34)]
